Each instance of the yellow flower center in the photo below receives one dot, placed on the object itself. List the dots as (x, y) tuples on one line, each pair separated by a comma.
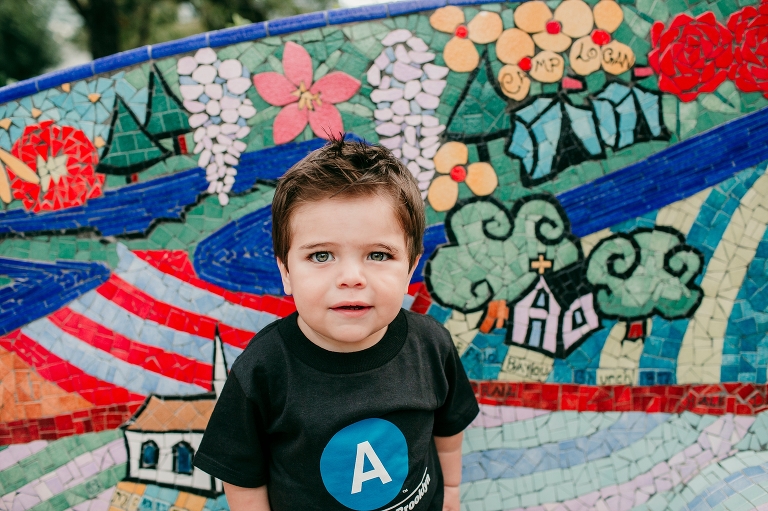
[(306, 98)]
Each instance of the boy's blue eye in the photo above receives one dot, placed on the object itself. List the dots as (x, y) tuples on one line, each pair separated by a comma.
[(321, 257), (379, 256)]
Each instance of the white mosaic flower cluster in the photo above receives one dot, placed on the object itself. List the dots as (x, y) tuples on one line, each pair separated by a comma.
[(407, 93), (214, 93)]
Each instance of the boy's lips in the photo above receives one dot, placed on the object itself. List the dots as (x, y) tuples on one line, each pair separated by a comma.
[(351, 309)]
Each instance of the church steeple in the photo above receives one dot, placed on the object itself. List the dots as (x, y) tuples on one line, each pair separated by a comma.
[(219, 364)]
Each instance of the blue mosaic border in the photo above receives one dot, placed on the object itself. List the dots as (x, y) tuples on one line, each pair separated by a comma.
[(729, 148), (224, 37)]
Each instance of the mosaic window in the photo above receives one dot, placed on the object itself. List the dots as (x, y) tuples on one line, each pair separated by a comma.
[(182, 458), (149, 454)]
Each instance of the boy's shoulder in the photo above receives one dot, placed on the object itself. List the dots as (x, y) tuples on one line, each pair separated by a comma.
[(424, 321), (425, 327), (264, 349), (261, 364)]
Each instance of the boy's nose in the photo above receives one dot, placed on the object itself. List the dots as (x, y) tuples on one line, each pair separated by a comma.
[(351, 274)]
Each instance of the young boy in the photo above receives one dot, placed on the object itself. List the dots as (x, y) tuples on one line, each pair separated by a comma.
[(351, 402)]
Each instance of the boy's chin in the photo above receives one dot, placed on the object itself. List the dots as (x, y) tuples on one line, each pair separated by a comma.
[(352, 334), (341, 333), (354, 337)]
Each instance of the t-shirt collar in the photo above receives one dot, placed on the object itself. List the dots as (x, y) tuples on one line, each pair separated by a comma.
[(344, 363)]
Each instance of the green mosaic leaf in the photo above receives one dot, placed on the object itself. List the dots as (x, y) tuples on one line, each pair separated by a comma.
[(653, 9), (726, 99), (688, 115), (636, 23), (481, 110)]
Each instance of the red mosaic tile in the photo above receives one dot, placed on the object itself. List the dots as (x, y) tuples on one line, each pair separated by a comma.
[(64, 374), (99, 418), (422, 299), (738, 398), (151, 358), (177, 264)]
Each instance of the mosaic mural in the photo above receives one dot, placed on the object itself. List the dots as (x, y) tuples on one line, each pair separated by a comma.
[(596, 181)]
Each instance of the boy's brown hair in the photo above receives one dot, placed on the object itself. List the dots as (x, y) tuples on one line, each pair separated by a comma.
[(348, 169)]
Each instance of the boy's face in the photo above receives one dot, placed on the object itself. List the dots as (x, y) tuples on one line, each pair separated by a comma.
[(347, 270)]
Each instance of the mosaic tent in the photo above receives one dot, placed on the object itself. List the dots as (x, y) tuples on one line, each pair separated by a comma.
[(596, 181)]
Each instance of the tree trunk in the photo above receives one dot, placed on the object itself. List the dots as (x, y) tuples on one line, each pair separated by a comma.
[(101, 19), (145, 15)]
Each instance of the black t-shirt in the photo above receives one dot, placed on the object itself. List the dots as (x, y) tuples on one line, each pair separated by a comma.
[(339, 431)]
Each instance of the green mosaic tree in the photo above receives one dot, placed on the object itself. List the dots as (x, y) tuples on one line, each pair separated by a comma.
[(130, 148), (165, 115), (481, 111), (493, 252), (643, 273)]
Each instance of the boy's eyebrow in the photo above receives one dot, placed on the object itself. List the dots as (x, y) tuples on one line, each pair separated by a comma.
[(386, 247), (324, 244), (310, 246)]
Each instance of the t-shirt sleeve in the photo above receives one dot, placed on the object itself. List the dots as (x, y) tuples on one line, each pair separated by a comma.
[(460, 407), (234, 445)]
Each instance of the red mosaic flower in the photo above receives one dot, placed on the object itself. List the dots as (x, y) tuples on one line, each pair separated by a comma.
[(692, 56), (750, 49), (64, 160)]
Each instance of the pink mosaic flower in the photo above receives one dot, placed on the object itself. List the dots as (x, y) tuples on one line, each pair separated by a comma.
[(302, 101)]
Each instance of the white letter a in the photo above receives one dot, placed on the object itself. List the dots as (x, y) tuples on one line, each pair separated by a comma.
[(364, 449)]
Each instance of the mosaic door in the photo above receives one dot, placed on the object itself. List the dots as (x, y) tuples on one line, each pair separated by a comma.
[(595, 177)]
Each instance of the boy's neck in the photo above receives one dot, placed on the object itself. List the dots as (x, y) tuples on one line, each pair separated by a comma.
[(337, 346)]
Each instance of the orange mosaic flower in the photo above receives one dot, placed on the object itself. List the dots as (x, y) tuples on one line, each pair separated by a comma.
[(451, 163), (554, 32), (460, 53), (573, 25)]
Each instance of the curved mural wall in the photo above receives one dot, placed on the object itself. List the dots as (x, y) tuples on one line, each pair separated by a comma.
[(595, 180)]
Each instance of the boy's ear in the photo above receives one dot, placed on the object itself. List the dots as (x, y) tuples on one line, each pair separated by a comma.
[(285, 276), (410, 274)]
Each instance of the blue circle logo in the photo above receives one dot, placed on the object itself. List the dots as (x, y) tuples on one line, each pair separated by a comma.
[(365, 464)]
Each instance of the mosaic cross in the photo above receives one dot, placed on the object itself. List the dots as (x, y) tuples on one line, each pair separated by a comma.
[(541, 265)]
